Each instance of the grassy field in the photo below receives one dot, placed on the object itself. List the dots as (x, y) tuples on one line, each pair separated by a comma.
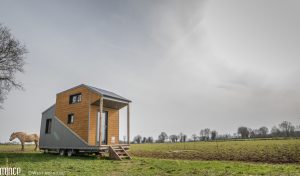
[(37, 163), (270, 151)]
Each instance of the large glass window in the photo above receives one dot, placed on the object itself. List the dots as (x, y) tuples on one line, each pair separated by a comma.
[(104, 127)]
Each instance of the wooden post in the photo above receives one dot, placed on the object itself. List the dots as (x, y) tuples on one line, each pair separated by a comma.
[(128, 124), (100, 120), (89, 118)]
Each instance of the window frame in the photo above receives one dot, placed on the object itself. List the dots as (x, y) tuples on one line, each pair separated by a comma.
[(48, 128), (78, 97), (71, 118)]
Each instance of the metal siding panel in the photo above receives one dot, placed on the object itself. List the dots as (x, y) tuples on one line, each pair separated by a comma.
[(60, 136), (108, 93)]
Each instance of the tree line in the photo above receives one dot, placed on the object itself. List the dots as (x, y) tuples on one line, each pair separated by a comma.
[(284, 129)]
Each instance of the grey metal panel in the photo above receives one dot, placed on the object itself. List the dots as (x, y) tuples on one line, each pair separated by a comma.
[(47, 114), (49, 109), (61, 137), (108, 94)]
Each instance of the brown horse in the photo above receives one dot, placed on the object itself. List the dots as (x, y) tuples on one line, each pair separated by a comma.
[(23, 137)]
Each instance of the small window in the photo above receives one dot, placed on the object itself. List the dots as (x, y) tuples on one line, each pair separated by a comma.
[(48, 126), (75, 98), (70, 118)]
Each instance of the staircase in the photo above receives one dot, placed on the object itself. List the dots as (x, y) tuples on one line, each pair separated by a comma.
[(117, 152)]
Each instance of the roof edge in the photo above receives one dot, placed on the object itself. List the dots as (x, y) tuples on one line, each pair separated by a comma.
[(91, 89), (118, 99), (48, 108), (80, 85)]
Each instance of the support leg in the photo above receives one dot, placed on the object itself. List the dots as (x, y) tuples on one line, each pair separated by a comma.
[(100, 121), (128, 124), (36, 145)]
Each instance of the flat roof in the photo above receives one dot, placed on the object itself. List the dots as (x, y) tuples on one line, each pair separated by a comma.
[(108, 94)]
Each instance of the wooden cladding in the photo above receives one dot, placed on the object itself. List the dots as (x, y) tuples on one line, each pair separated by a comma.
[(80, 110), (113, 125), (85, 114)]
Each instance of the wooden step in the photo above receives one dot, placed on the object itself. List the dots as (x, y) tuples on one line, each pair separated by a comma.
[(118, 153), (118, 149)]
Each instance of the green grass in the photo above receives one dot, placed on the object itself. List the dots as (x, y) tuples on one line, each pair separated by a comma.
[(271, 151), (30, 162)]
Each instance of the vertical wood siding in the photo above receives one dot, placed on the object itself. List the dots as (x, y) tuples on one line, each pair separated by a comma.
[(81, 112), (113, 125)]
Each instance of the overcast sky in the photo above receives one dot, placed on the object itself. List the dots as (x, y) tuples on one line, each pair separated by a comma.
[(186, 65)]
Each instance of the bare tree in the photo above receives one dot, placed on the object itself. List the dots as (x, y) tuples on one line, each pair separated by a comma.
[(150, 139), (202, 135), (184, 138), (144, 140), (275, 131), (180, 136), (12, 54), (244, 132), (162, 137), (138, 139), (213, 134), (252, 133), (194, 137), (287, 128), (206, 133), (173, 138), (263, 131)]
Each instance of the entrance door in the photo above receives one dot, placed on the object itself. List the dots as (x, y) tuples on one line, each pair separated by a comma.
[(104, 127)]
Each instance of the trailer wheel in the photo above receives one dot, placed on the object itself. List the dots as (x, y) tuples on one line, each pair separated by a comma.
[(69, 153), (61, 152)]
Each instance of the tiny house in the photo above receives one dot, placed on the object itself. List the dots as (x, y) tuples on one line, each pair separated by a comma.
[(85, 119)]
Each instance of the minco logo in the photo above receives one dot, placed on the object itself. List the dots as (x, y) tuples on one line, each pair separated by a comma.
[(10, 170)]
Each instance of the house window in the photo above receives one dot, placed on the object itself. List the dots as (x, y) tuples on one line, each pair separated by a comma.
[(75, 98), (70, 118), (48, 126)]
